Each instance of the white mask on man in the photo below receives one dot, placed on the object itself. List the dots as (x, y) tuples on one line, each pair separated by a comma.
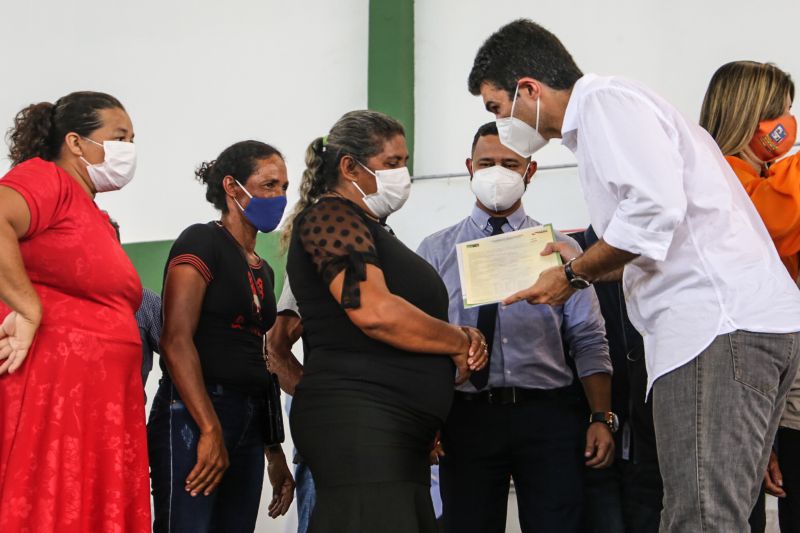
[(498, 187), (117, 168), (393, 187), (517, 135)]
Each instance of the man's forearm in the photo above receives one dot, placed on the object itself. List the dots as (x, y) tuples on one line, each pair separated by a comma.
[(602, 262), (597, 388)]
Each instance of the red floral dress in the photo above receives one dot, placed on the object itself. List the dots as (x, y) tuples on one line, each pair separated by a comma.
[(73, 450)]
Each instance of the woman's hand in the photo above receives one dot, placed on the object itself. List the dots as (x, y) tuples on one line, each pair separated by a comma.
[(282, 483), (16, 337), (478, 354), (773, 480), (212, 462), (474, 355)]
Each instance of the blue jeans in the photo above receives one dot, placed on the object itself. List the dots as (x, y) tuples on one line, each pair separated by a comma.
[(306, 495), (172, 437)]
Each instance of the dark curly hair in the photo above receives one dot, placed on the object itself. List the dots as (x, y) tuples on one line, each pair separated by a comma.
[(519, 49), (39, 129), (239, 161)]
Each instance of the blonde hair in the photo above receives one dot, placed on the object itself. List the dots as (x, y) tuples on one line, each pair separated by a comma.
[(739, 96), (358, 134)]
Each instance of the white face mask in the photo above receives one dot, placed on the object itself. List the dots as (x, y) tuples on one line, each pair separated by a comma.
[(394, 186), (498, 187), (517, 135), (117, 168)]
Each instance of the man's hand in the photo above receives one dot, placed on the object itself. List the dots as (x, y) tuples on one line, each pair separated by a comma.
[(773, 480), (567, 252), (282, 483), (599, 446), (212, 462), (437, 451), (551, 288)]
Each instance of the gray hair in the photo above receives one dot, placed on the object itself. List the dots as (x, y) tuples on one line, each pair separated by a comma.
[(358, 134)]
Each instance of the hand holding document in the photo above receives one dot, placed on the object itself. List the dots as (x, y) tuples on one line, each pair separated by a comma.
[(495, 267)]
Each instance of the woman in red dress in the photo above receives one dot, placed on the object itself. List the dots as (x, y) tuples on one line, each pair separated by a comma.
[(73, 452)]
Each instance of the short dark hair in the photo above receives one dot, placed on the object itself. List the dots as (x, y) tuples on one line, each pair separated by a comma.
[(519, 49), (239, 161), (39, 129), (490, 128)]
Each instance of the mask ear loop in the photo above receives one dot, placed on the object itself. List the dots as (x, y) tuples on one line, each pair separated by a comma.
[(83, 159), (514, 101), (363, 194), (538, 101), (525, 174), (245, 191)]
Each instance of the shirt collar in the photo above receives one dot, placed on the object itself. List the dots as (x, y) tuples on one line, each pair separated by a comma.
[(570, 123), (481, 218)]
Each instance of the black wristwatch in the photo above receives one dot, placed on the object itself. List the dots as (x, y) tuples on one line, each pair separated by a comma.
[(575, 281), (606, 417)]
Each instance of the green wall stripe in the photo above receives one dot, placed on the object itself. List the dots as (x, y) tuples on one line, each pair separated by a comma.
[(149, 259), (391, 63)]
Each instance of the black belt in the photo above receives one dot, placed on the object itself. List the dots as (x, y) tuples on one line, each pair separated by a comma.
[(510, 395)]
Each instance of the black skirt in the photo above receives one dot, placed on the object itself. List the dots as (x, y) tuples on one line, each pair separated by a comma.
[(369, 460)]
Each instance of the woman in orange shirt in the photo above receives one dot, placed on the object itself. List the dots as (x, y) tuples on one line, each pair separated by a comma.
[(746, 110)]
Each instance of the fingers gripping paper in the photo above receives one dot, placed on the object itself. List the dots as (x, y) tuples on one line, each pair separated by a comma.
[(493, 268)]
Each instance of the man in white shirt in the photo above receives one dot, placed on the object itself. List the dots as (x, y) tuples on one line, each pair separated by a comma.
[(703, 282)]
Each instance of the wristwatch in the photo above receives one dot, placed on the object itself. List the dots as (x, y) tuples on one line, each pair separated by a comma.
[(575, 281), (606, 417)]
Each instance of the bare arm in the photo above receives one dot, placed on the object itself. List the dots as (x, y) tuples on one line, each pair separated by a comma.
[(601, 262), (281, 337), (184, 290), (597, 388), (16, 289), (390, 319)]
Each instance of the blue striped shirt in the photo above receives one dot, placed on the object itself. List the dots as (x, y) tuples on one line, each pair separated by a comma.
[(528, 349)]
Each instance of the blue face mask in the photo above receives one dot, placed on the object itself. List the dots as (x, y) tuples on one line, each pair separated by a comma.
[(263, 213)]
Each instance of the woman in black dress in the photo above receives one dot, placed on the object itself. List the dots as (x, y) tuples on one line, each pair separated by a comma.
[(208, 432), (378, 378)]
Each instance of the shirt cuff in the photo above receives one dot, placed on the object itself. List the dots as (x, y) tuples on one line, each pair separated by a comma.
[(637, 240), (594, 365)]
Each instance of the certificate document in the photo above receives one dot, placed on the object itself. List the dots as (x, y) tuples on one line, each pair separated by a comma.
[(493, 268)]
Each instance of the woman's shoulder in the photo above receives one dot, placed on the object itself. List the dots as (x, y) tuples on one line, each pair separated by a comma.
[(328, 205), (39, 177), (788, 166), (199, 230), (196, 238)]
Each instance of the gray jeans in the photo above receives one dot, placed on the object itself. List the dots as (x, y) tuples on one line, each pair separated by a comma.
[(715, 420)]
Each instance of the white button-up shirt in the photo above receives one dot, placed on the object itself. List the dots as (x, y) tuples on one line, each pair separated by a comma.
[(657, 185)]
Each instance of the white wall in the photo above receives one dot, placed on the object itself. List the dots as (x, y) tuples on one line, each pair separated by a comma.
[(199, 75), (195, 76), (672, 46)]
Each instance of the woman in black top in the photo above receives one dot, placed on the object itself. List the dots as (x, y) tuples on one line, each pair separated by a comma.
[(208, 427), (378, 380)]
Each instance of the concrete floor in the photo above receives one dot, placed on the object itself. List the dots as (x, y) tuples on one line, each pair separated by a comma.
[(288, 524)]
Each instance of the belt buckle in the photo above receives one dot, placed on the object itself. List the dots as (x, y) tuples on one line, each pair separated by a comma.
[(513, 395), (490, 396)]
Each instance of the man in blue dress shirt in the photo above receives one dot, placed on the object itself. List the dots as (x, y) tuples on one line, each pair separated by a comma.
[(521, 420)]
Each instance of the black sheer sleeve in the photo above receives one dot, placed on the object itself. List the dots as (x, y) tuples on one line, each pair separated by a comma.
[(337, 238)]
